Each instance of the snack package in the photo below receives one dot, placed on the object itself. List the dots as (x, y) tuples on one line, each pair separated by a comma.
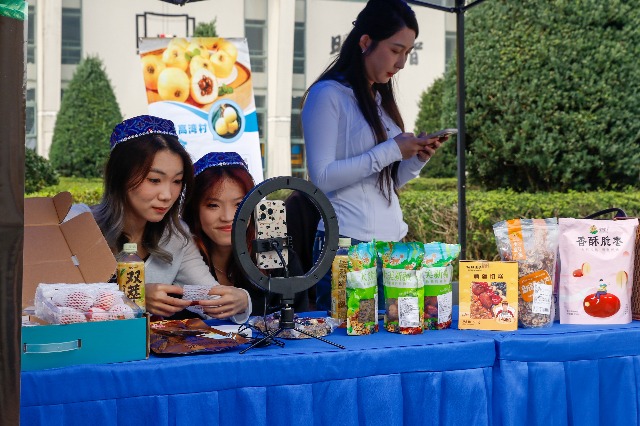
[(188, 336), (403, 292), (316, 327), (196, 293), (533, 243), (73, 303), (488, 295), (435, 276), (596, 281), (362, 290)]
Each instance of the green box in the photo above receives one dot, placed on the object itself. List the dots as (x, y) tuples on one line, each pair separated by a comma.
[(60, 345)]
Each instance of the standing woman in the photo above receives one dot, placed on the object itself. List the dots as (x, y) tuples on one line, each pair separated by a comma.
[(147, 172), (222, 180), (358, 153)]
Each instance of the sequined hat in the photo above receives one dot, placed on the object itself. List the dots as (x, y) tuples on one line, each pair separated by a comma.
[(141, 125), (219, 159)]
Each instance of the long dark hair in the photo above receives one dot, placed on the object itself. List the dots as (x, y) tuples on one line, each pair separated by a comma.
[(127, 167), (211, 180), (380, 19)]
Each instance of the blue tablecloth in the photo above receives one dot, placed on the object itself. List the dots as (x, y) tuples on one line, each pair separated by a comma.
[(562, 375), (567, 375), (440, 377)]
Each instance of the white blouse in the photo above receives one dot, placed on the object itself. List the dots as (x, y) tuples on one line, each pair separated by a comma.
[(344, 162)]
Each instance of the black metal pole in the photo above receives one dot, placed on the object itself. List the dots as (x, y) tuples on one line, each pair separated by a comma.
[(12, 110), (462, 187)]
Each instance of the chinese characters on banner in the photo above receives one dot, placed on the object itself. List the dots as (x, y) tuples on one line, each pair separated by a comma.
[(203, 85)]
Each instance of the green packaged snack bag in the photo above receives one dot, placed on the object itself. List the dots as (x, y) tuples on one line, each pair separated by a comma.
[(436, 276), (362, 290), (403, 291)]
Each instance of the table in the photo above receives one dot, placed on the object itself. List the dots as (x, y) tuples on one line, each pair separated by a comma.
[(567, 375), (562, 375), (440, 377)]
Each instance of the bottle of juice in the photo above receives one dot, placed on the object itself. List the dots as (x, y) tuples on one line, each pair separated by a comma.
[(130, 272), (339, 281)]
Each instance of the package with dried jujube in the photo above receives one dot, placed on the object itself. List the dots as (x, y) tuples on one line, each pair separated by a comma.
[(435, 276), (403, 293)]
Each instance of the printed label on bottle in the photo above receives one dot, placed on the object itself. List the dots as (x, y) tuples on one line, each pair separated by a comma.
[(131, 282)]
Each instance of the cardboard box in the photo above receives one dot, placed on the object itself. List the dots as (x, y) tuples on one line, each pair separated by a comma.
[(71, 252), (484, 289)]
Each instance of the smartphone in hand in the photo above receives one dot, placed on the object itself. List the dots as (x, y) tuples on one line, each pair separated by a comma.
[(441, 134)]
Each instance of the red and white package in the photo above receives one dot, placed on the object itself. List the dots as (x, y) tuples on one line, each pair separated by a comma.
[(596, 281)]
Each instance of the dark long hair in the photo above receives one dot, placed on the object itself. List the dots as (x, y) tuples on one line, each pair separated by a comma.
[(211, 180), (128, 165), (380, 19)]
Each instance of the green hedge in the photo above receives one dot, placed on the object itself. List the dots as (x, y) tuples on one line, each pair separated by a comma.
[(83, 190), (430, 208), (433, 215)]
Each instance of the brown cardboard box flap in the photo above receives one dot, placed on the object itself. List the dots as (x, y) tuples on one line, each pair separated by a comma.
[(55, 252)]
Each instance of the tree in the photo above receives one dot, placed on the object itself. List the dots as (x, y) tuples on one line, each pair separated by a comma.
[(430, 119), (88, 113), (552, 94), (205, 29)]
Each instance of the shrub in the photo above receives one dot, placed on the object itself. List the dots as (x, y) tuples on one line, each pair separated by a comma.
[(433, 215), (38, 172), (430, 119), (87, 191), (87, 116), (551, 94), (205, 29)]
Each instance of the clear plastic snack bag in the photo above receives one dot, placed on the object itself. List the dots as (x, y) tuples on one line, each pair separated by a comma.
[(435, 276), (403, 291), (362, 290), (533, 243)]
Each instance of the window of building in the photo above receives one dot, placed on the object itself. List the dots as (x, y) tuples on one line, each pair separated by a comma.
[(298, 48), (449, 47), (31, 35), (256, 32), (71, 36), (298, 163), (31, 131), (261, 113)]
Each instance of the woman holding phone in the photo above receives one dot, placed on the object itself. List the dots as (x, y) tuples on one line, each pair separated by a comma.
[(358, 152)]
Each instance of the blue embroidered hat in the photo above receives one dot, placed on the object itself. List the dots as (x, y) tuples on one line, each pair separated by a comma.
[(219, 159), (141, 125)]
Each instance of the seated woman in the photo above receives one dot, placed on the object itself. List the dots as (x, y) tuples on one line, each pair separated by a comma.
[(147, 172), (222, 180)]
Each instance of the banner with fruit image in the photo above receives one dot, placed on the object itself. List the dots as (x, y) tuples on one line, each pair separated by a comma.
[(204, 86)]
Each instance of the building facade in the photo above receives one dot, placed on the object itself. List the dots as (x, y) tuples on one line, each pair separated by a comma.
[(290, 41)]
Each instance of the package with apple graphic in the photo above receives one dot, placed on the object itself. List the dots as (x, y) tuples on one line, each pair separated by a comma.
[(596, 278)]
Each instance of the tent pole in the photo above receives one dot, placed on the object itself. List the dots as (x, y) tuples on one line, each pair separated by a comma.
[(462, 203)]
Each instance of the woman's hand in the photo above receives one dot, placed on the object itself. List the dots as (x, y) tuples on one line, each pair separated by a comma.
[(232, 301), (430, 147), (410, 145), (158, 301)]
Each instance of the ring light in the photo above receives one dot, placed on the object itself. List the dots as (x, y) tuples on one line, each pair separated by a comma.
[(287, 287)]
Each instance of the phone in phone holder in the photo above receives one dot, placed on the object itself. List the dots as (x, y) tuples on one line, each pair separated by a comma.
[(271, 241)]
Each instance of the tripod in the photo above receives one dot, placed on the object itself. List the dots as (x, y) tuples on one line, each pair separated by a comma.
[(286, 323)]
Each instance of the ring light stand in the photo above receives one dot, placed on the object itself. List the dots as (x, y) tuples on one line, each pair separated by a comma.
[(286, 286)]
